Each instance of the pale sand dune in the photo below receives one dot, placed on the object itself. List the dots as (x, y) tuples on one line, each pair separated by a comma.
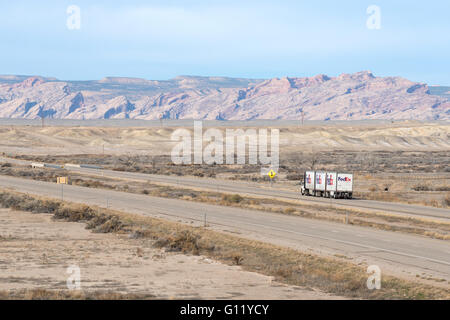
[(154, 140)]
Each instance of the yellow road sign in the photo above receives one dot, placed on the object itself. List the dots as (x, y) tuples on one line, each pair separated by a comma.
[(271, 174), (62, 180)]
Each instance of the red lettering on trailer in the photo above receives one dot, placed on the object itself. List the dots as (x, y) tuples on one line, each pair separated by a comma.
[(330, 180)]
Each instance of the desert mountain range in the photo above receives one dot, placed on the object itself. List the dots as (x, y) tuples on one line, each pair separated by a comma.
[(345, 97)]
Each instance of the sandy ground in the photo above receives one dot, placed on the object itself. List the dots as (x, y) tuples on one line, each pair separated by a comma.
[(36, 251)]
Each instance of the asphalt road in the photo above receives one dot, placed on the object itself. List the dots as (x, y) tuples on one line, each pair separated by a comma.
[(264, 190), (400, 251), (277, 192)]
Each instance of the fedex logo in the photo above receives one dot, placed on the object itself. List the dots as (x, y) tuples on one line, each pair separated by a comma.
[(345, 179), (319, 179), (308, 179), (330, 180)]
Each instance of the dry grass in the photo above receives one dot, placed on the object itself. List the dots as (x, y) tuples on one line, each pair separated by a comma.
[(286, 265), (184, 241), (292, 164), (95, 219), (379, 195), (447, 200), (361, 161), (232, 198), (44, 294)]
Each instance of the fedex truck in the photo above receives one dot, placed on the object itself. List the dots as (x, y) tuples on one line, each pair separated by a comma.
[(328, 184)]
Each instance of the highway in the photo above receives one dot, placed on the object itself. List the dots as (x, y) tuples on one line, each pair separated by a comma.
[(263, 190), (276, 192), (395, 251)]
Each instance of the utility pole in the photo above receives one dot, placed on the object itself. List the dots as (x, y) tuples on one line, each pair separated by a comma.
[(62, 191)]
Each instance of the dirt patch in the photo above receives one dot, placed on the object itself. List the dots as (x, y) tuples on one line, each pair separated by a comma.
[(37, 249)]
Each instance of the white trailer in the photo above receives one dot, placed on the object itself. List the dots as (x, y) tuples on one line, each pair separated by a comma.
[(344, 185), (331, 184), (309, 183), (319, 189), (328, 184), (37, 165)]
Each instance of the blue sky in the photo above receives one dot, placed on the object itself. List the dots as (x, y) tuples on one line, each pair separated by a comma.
[(254, 39)]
